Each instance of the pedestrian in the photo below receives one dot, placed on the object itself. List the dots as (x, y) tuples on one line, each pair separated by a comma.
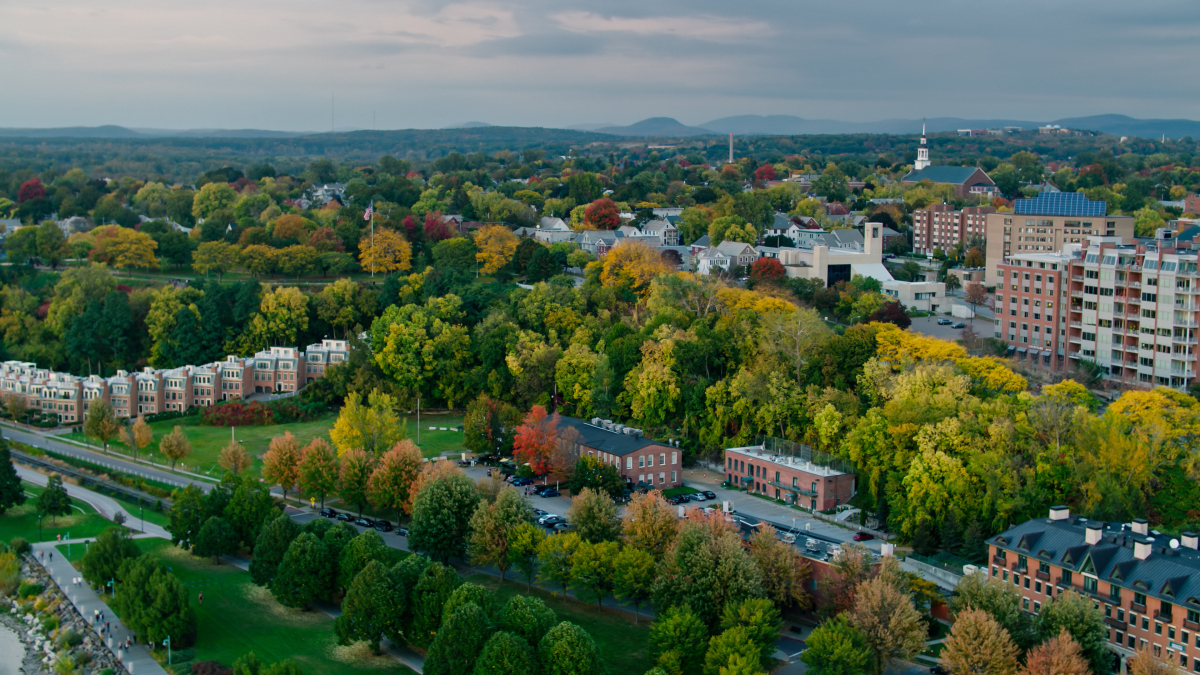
[(51, 556), (201, 597)]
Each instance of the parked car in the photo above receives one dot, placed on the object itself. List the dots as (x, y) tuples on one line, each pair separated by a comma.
[(938, 669), (466, 462), (383, 525), (562, 527), (365, 522), (521, 481), (542, 488), (544, 517), (697, 497), (709, 494), (552, 521), (402, 531), (958, 325), (345, 517), (550, 493), (863, 536), (539, 513), (328, 513), (944, 322)]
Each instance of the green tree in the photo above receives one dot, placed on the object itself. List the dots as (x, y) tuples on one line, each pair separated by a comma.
[(1077, 615), (594, 516), (104, 557), (705, 570), (592, 569), (734, 643), (492, 527), (368, 610), (1001, 601), (51, 243), (154, 604), (216, 538), (189, 510), (250, 665), (457, 253), (359, 553), (270, 547), (459, 641), (505, 654), (471, 593), (554, 558), (679, 629), (526, 616), (12, 493), (101, 422), (249, 509), (355, 477), (633, 577), (762, 622), (373, 428), (428, 602), (568, 650), (836, 647), (305, 573), (523, 545), (441, 517), (54, 500)]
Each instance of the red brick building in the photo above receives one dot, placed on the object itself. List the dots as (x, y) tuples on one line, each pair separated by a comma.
[(810, 484), (1146, 584), (638, 459), (940, 226)]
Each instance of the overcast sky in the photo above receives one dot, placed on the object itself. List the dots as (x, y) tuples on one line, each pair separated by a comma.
[(275, 65)]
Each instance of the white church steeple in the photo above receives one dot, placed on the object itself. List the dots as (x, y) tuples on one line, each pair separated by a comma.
[(922, 152)]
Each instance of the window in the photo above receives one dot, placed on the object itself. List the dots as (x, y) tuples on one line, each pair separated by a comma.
[(1066, 577), (1139, 599), (641, 461), (674, 457), (1158, 628), (672, 476), (1114, 592), (1089, 584), (662, 459), (629, 462)]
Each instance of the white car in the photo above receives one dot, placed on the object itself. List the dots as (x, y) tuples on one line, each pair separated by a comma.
[(697, 497), (543, 519)]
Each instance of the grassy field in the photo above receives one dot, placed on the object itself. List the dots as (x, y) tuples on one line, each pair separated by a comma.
[(207, 442), (623, 645), (238, 617), (22, 521)]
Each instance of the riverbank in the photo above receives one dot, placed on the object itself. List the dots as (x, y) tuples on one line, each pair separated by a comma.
[(16, 653)]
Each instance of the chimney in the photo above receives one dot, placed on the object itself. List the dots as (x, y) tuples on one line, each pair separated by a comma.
[(1140, 526), (1093, 533), (1141, 549), (1188, 539), (1059, 513)]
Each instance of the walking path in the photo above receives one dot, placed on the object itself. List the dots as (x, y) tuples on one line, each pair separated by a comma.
[(105, 506), (137, 660)]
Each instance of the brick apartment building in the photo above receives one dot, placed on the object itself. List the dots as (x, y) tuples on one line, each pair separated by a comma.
[(638, 459), (810, 484), (1047, 223), (1147, 585), (1191, 204), (940, 226), (1132, 309), (275, 370)]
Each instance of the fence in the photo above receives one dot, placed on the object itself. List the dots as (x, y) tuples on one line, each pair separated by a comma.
[(803, 452), (86, 479)]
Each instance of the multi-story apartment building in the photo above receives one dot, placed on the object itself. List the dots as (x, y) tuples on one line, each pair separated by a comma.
[(1147, 584), (940, 226), (1047, 223), (1132, 309), (149, 391), (809, 483)]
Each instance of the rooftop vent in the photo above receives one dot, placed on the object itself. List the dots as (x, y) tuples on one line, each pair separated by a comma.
[(1140, 526), (1189, 540), (1059, 513)]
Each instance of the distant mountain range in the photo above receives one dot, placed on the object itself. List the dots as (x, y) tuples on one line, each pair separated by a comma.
[(669, 127)]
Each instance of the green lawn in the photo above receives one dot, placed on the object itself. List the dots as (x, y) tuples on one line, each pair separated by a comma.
[(624, 647), (22, 521), (238, 617)]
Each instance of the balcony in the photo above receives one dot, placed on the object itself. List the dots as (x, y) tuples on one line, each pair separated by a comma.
[(1113, 623), (1165, 617), (790, 488), (1019, 568), (1191, 625), (1135, 607), (1044, 576), (997, 560)]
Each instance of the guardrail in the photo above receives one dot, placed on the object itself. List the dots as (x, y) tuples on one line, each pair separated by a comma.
[(85, 479)]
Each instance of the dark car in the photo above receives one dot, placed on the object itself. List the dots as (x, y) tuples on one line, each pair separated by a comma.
[(562, 527), (539, 489), (383, 525), (958, 325), (863, 536), (402, 531), (550, 493), (345, 517), (554, 520), (937, 669), (328, 512), (365, 522), (709, 494), (539, 513), (944, 322), (521, 481)]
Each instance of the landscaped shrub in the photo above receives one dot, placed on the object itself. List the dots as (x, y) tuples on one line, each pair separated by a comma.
[(242, 414), (29, 588), (20, 546)]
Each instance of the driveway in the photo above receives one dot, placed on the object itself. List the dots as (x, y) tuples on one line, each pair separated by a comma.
[(927, 325)]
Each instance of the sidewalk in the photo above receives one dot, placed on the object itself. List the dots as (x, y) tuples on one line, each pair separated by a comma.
[(86, 602), (106, 506)]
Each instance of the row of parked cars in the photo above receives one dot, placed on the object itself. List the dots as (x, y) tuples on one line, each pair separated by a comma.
[(693, 497), (376, 524)]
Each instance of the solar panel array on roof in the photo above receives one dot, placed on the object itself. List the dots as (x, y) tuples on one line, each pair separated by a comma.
[(1060, 204)]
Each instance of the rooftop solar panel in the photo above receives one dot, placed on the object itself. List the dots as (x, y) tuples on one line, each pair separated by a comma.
[(1060, 204)]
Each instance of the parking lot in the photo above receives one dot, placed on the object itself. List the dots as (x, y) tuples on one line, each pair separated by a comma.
[(927, 325)]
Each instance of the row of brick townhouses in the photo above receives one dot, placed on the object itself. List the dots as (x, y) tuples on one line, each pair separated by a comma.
[(149, 391), (1133, 309), (1146, 584), (795, 479)]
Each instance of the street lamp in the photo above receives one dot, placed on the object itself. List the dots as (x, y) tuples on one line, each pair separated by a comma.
[(40, 527), (112, 583), (167, 644)]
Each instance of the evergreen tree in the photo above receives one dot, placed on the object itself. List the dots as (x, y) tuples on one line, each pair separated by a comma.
[(154, 604), (216, 538), (189, 510), (471, 593), (568, 650), (116, 330), (527, 617), (12, 493), (54, 500), (104, 557), (368, 611), (358, 553), (923, 541), (974, 546), (270, 547), (429, 596), (678, 629), (951, 535), (505, 654), (305, 573), (459, 641)]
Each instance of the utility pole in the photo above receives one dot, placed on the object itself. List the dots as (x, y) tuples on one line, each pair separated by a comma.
[(731, 148)]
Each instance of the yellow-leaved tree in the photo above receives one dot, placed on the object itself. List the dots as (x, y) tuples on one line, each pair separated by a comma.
[(124, 248), (632, 266), (373, 427), (990, 376), (384, 252), (496, 244), (282, 315)]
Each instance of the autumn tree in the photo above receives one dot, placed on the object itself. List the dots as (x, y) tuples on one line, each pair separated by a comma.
[(602, 214), (794, 336), (394, 476), (631, 267), (234, 458), (373, 427), (430, 471), (492, 528), (536, 438), (496, 245), (1001, 601), (1075, 613), (355, 476), (890, 624), (215, 256), (633, 577), (281, 463), (384, 252), (649, 523), (768, 270), (488, 426), (1145, 663), (979, 645), (1057, 656), (281, 317), (318, 469), (785, 572), (175, 446), (594, 516), (101, 422), (848, 569)]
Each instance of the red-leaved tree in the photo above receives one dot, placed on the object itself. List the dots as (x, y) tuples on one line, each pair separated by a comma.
[(31, 189), (536, 438), (437, 229), (602, 214), (765, 172), (767, 269)]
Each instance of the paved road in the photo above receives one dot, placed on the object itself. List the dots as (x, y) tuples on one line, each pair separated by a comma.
[(48, 442)]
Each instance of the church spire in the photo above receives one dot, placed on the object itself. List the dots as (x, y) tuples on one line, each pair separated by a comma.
[(922, 152)]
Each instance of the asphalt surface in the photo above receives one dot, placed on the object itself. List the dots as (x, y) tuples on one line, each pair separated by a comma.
[(927, 325)]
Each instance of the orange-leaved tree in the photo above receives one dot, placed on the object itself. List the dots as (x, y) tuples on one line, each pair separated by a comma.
[(632, 266), (395, 476), (281, 463), (536, 439)]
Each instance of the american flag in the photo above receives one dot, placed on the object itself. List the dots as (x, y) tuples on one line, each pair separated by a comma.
[(370, 210)]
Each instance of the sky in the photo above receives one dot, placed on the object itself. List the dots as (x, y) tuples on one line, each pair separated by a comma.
[(390, 64)]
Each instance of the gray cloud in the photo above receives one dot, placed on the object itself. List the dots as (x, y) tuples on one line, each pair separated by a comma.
[(275, 64)]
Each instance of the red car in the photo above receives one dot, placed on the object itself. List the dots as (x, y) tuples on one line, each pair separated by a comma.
[(863, 536)]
